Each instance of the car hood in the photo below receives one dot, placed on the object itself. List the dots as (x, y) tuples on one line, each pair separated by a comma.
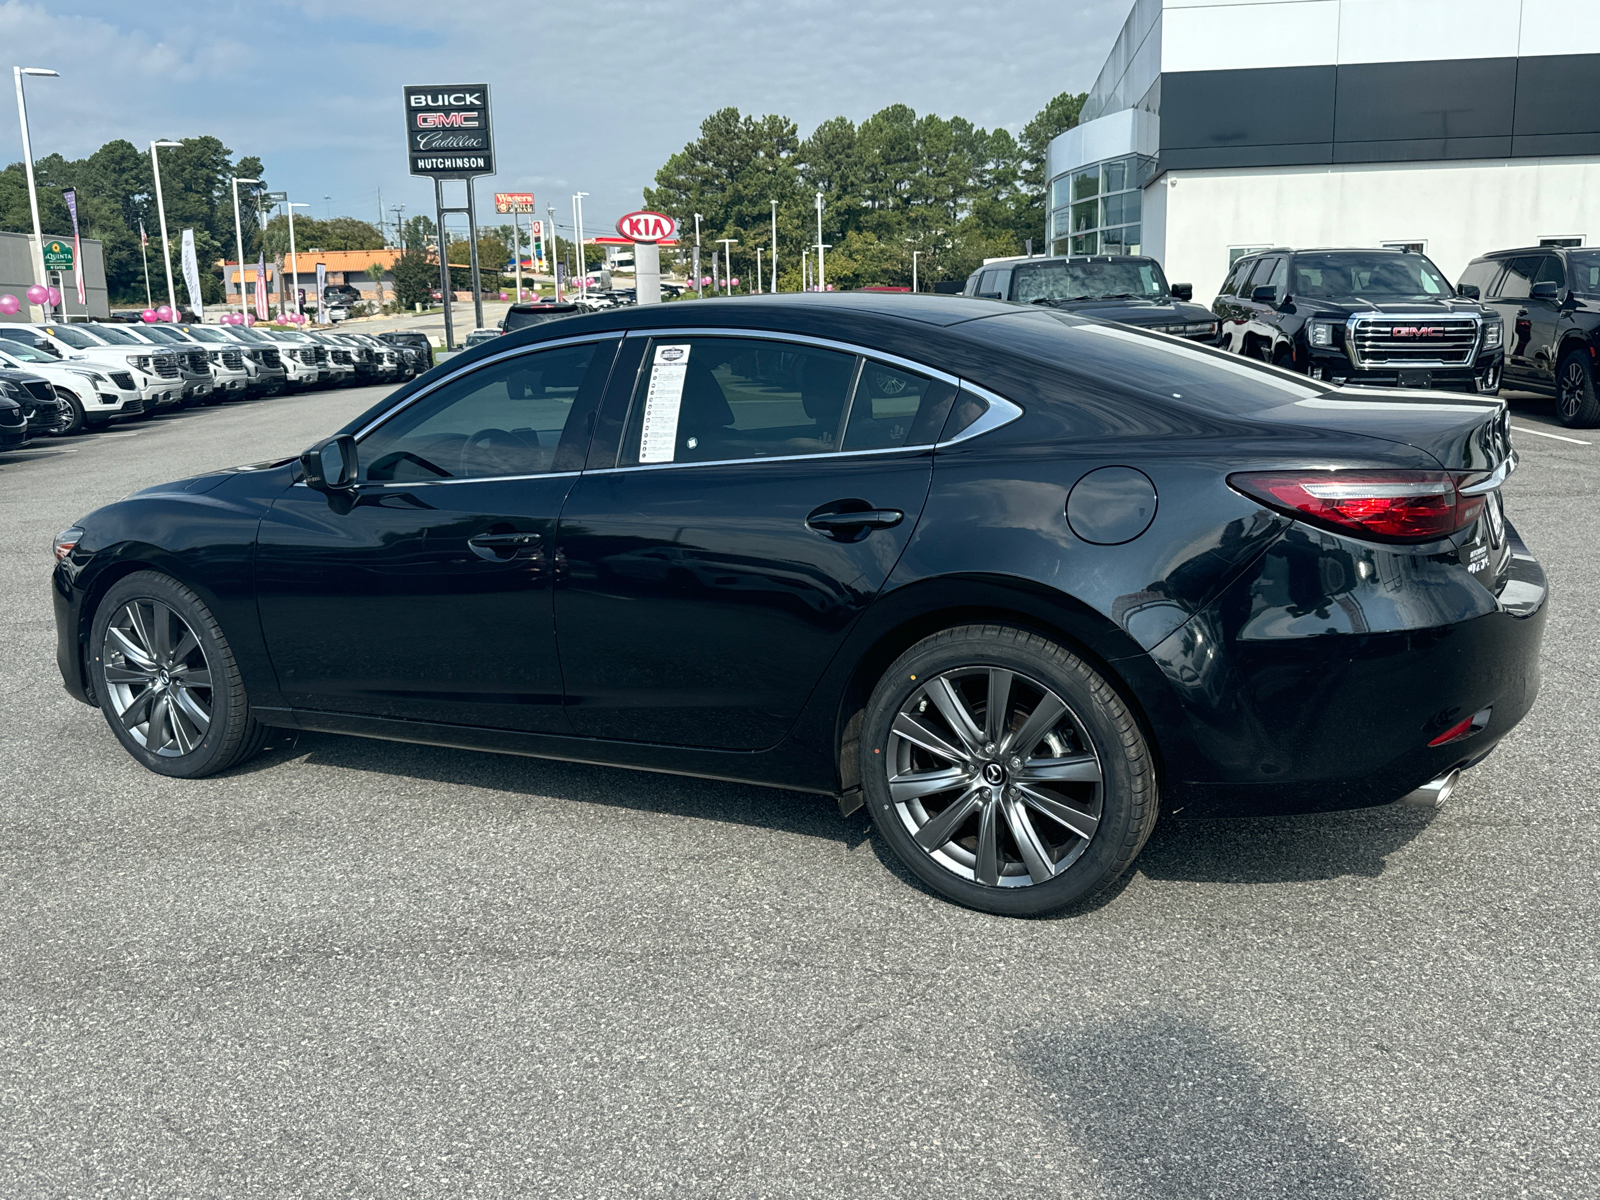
[(1356, 306), (14, 375), (197, 485), (1148, 314)]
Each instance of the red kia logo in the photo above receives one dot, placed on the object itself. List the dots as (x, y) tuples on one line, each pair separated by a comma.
[(1416, 331), (647, 227)]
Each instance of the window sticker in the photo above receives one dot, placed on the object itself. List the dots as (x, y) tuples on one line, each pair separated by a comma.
[(659, 439)]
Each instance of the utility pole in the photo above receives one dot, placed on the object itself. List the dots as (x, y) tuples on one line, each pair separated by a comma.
[(552, 253), (914, 254), (774, 247), (516, 252), (399, 229), (727, 265), (700, 288), (820, 275), (381, 232), (39, 276)]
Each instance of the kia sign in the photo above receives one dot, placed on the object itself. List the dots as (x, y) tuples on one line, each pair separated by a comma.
[(514, 202), (448, 134), (647, 227)]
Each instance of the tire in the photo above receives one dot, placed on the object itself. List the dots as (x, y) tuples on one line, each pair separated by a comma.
[(77, 421), (1285, 360), (1017, 831), (152, 642), (1577, 403)]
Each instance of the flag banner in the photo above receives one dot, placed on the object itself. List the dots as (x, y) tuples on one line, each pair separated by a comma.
[(322, 290), (70, 195), (262, 311), (144, 238), (191, 275)]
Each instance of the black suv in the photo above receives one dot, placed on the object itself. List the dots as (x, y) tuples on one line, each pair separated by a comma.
[(1549, 298), (1377, 318), (1128, 288)]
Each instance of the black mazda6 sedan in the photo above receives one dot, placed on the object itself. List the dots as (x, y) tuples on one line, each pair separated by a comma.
[(1012, 579)]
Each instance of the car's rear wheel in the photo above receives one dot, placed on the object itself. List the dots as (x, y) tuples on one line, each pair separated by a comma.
[(167, 681), (1005, 772), (1577, 403)]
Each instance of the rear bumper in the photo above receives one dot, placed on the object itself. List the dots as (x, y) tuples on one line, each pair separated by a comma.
[(1297, 698)]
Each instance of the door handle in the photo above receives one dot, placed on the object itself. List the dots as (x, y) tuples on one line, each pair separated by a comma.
[(847, 522), (499, 547)]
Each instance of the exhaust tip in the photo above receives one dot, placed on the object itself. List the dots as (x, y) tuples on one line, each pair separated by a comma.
[(1435, 792)]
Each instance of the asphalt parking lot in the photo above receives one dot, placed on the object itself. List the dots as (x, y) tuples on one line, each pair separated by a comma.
[(353, 968)]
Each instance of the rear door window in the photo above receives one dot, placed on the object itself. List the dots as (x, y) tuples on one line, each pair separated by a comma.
[(1517, 282), (1551, 271), (893, 407)]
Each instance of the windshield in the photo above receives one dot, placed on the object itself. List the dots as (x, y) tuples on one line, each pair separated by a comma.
[(117, 337), (298, 339), (1583, 267), (248, 335), (1061, 279), (161, 335), (75, 338), (207, 335), (1344, 276), (23, 353)]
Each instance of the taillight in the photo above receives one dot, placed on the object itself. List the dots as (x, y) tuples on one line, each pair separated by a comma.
[(1384, 506), (65, 541)]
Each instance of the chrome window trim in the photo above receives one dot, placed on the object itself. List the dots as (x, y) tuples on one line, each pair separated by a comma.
[(408, 484), (1000, 411), (609, 335)]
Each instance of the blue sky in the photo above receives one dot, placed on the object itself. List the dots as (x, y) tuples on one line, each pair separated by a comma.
[(313, 86)]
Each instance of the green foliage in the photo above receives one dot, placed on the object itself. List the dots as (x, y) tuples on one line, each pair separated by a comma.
[(416, 274), (340, 233), (419, 233), (895, 184), (116, 191)]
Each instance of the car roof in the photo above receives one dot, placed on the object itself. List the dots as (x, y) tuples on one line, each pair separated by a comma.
[(1528, 250), (1055, 258)]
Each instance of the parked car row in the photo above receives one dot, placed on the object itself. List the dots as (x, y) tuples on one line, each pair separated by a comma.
[(1528, 318), (66, 378)]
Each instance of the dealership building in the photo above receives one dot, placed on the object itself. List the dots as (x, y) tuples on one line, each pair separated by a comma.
[(1220, 127)]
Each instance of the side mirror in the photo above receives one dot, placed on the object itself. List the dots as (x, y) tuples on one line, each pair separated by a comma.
[(1544, 291), (1265, 294), (1183, 291), (330, 466), (1468, 291)]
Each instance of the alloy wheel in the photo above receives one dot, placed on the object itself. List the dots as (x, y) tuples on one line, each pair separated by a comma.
[(158, 678), (1572, 382), (994, 776)]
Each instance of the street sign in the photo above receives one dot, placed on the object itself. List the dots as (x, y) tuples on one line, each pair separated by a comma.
[(57, 256), (514, 202), (448, 131), (647, 227)]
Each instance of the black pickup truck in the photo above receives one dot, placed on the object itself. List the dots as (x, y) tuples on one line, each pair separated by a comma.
[(1376, 318), (1549, 299), (1130, 289)]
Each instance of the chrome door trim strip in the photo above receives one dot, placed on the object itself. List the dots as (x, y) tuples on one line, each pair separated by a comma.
[(803, 340)]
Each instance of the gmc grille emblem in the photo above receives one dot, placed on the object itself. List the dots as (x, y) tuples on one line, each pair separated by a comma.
[(1416, 331)]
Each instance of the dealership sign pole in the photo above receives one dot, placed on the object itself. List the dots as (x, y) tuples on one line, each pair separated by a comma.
[(449, 136)]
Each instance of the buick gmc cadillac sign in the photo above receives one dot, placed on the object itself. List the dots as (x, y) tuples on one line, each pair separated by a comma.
[(448, 134)]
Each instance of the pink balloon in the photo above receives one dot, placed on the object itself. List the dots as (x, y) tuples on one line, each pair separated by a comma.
[(38, 294), (9, 304), (54, 296), (249, 320), (733, 283), (148, 316), (163, 313)]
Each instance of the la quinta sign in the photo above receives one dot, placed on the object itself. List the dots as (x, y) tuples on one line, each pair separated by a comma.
[(647, 227)]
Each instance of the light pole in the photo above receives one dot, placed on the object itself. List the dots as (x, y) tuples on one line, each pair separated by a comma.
[(554, 259), (27, 163), (238, 237), (758, 270), (161, 214), (699, 288), (820, 246), (774, 246), (727, 264), (294, 258), (577, 232), (914, 254)]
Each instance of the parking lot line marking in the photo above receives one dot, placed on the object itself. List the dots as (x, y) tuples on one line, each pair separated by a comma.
[(1558, 437)]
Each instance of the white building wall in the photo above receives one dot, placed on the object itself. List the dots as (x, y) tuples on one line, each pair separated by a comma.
[(1460, 209)]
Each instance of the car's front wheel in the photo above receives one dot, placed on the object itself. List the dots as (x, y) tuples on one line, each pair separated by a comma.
[(1005, 772), (167, 681), (1577, 403)]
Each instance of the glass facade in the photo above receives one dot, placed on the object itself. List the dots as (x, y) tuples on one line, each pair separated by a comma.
[(1097, 209)]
